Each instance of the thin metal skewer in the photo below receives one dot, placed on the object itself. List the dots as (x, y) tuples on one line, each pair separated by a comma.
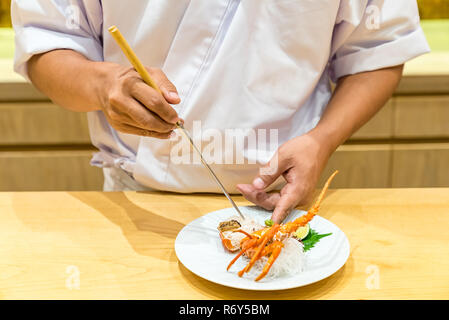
[(186, 134)]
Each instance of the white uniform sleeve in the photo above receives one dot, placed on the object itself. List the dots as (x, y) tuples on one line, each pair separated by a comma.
[(44, 25), (375, 34)]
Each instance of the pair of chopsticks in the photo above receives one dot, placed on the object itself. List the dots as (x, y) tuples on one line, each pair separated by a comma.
[(140, 68)]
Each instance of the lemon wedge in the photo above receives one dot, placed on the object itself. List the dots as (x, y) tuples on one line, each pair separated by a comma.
[(302, 232)]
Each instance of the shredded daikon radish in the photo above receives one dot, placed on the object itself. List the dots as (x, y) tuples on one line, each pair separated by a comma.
[(290, 261)]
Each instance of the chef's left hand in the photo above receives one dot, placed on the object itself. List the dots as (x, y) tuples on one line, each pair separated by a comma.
[(300, 161)]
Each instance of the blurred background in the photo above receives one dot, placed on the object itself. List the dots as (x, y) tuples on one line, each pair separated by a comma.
[(43, 147)]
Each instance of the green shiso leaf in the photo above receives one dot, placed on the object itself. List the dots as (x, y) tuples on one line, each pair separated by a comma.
[(312, 238)]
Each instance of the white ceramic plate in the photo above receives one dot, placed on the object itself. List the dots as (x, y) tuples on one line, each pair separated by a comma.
[(198, 247)]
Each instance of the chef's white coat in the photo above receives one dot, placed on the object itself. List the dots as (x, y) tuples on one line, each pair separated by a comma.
[(248, 64)]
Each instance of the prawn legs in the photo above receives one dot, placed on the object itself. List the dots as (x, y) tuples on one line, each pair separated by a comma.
[(267, 242)]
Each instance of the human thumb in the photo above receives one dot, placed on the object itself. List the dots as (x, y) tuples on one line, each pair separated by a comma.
[(269, 173)]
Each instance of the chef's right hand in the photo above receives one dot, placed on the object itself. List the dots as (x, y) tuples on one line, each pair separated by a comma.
[(131, 106)]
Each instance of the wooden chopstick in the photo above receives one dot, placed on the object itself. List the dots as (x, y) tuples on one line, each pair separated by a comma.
[(137, 64)]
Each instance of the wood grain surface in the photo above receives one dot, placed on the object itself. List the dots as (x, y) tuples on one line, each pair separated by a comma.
[(49, 170), (421, 117), (34, 123), (94, 245)]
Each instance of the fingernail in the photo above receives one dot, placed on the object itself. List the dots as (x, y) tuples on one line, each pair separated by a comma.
[(173, 95), (172, 135), (258, 183)]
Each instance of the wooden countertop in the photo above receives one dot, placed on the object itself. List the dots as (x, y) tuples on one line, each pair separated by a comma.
[(95, 245)]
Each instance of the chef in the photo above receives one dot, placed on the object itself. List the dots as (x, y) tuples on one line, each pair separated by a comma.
[(253, 66)]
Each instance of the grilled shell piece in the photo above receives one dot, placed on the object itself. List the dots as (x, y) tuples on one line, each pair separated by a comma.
[(228, 225)]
